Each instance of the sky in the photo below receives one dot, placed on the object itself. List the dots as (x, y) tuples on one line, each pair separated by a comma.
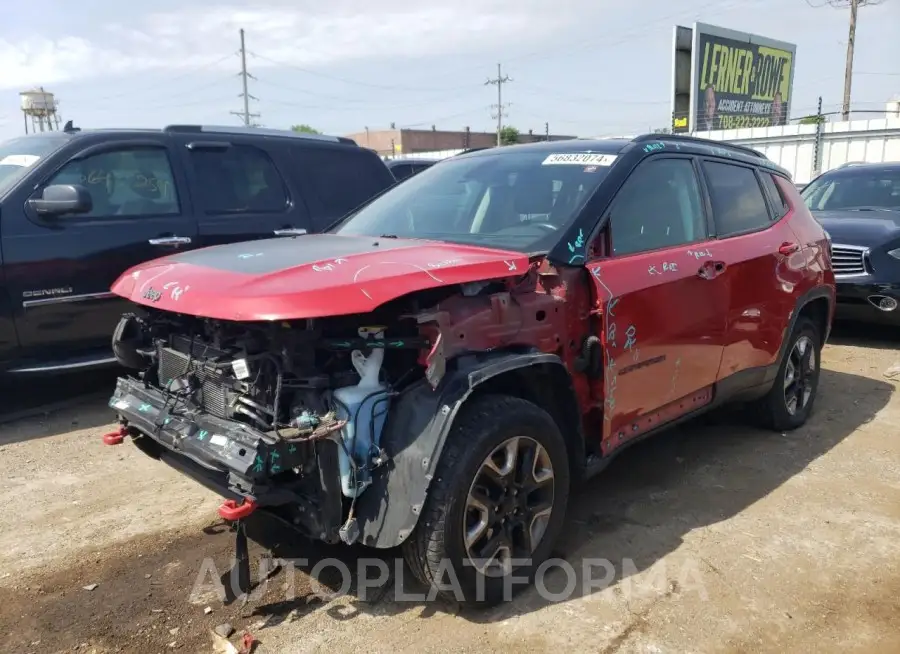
[(586, 67)]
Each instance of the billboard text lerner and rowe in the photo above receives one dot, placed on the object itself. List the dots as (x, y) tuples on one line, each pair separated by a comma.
[(741, 84)]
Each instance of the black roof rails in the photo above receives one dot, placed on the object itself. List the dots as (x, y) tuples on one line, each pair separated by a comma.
[(683, 138), (257, 131), (468, 150)]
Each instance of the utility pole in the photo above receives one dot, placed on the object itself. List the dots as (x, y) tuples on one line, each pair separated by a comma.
[(499, 81), (848, 70), (854, 6), (546, 131), (245, 115)]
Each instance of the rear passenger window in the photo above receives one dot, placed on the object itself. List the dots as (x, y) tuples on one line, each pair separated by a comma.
[(775, 196), (658, 206), (341, 179), (737, 199), (239, 179)]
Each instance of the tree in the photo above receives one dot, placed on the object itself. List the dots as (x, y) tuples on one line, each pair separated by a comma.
[(662, 130), (305, 129), (811, 120), (509, 135)]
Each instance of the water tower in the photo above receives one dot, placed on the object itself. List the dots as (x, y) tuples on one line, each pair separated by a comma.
[(39, 108)]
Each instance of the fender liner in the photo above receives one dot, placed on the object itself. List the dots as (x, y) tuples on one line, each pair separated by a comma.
[(414, 436)]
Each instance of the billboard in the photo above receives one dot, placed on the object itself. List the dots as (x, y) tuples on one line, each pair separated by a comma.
[(734, 79)]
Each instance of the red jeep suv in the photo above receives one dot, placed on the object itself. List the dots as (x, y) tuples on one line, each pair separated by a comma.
[(439, 368)]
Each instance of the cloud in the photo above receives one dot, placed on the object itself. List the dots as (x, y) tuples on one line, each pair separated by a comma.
[(206, 37)]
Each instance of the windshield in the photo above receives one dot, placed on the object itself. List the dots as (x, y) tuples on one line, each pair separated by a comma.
[(18, 155), (518, 200), (861, 189)]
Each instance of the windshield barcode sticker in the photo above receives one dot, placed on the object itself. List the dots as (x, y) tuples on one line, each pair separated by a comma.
[(579, 159)]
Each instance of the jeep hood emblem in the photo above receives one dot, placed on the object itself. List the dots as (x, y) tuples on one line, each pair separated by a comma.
[(152, 295)]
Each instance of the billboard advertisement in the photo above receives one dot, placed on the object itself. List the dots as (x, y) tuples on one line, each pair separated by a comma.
[(737, 80)]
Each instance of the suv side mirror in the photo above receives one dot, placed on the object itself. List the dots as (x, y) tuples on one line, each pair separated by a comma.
[(60, 199)]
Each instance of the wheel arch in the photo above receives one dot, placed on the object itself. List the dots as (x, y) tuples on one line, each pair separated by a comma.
[(421, 419), (817, 304)]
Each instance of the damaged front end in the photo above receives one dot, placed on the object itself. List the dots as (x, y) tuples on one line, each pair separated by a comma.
[(283, 416)]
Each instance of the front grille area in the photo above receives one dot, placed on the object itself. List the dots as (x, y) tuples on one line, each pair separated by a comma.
[(848, 260), (212, 397)]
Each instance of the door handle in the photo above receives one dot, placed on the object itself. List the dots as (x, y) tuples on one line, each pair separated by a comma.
[(170, 240), (787, 248), (290, 231)]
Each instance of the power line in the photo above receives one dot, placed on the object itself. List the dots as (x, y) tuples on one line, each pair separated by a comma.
[(499, 81), (444, 118), (854, 6), (351, 81), (245, 115)]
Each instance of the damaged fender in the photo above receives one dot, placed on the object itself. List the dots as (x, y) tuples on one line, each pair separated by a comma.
[(414, 438)]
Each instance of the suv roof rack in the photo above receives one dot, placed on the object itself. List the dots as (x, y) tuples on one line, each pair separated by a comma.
[(259, 131), (683, 138)]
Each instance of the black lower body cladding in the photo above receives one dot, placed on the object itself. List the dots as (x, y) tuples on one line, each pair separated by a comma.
[(234, 460)]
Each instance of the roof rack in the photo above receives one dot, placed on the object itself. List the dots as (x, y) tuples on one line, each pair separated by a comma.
[(683, 138), (468, 150), (256, 131)]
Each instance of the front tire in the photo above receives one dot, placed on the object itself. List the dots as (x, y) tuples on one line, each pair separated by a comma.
[(496, 505), (789, 403)]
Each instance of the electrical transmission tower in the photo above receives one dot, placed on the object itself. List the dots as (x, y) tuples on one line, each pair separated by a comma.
[(499, 81), (245, 115), (854, 6)]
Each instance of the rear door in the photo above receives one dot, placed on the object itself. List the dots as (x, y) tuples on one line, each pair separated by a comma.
[(59, 270), (240, 189), (663, 305), (336, 179), (763, 263)]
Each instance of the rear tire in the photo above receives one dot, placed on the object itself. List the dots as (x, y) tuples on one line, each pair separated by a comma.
[(789, 402), (500, 488)]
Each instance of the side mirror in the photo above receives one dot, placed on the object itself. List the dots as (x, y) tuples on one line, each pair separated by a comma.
[(60, 199)]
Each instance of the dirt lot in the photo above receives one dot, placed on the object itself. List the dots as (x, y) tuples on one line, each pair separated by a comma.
[(722, 538)]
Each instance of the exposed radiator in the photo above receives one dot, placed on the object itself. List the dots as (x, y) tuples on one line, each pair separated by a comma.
[(212, 397)]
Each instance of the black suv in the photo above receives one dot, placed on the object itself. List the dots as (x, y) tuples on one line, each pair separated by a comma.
[(859, 205), (80, 207)]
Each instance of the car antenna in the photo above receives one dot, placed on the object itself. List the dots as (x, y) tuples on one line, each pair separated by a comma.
[(69, 128)]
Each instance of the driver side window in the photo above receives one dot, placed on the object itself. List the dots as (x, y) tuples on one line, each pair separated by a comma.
[(123, 183), (659, 206)]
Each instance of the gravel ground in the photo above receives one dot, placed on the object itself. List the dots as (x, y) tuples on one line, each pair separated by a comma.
[(718, 538)]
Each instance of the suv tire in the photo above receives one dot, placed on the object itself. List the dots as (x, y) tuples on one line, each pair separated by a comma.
[(493, 441), (790, 401)]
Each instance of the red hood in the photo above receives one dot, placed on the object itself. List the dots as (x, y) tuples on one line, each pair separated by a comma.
[(292, 278)]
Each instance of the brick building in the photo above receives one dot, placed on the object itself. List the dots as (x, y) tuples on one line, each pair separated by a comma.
[(408, 141)]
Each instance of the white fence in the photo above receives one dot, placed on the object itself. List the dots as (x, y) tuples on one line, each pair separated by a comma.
[(436, 154), (794, 146)]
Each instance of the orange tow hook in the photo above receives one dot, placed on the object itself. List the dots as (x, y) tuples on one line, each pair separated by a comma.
[(115, 437)]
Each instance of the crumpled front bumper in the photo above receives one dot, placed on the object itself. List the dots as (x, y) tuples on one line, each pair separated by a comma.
[(219, 445), (234, 459)]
